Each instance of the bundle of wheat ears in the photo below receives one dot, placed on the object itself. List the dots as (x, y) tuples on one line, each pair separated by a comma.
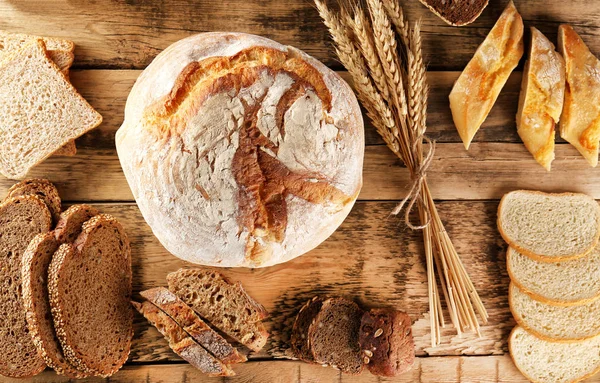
[(383, 56)]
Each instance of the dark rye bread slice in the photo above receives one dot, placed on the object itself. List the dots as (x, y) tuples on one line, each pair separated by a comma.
[(71, 222), (34, 274), (333, 335), (224, 304), (43, 189), (386, 341), (456, 12), (89, 284), (299, 338), (185, 317), (180, 341), (21, 219)]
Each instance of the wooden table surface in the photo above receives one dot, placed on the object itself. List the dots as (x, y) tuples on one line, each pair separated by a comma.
[(371, 258)]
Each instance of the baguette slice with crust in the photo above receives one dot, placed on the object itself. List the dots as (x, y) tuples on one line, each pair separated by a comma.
[(549, 227), (580, 124), (543, 361), (553, 321), (479, 85), (43, 189), (456, 13), (541, 98)]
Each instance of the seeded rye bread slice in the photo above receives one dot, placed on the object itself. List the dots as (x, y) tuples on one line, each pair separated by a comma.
[(21, 219), (71, 222), (224, 304), (456, 12), (299, 338), (386, 342), (43, 189), (181, 342), (34, 273), (192, 324), (333, 336), (90, 290)]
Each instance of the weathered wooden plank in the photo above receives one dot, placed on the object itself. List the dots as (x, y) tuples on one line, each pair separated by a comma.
[(130, 33)]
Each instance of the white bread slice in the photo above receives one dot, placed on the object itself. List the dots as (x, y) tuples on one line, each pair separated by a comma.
[(553, 321), (479, 85), (541, 98), (40, 110), (59, 50), (570, 282), (549, 227), (580, 124), (542, 361)]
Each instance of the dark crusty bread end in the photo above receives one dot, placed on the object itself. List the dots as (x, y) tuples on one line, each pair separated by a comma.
[(456, 12), (299, 338)]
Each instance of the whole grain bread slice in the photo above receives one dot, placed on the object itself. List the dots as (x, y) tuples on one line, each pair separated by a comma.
[(71, 222), (181, 342), (21, 219), (456, 13), (68, 150), (300, 344), (89, 284), (43, 189), (192, 324), (34, 274), (224, 304)]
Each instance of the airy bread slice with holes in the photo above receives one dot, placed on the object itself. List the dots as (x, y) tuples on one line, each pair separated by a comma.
[(43, 189), (41, 110), (59, 50), (543, 361), (549, 227), (552, 321)]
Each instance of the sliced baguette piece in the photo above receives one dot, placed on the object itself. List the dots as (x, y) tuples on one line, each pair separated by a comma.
[(456, 13), (59, 50), (34, 273), (570, 282), (224, 304), (549, 227), (89, 284), (71, 222), (68, 150), (21, 219), (43, 189), (36, 97), (580, 123), (541, 98), (543, 361), (553, 321), (181, 342), (299, 338), (480, 83), (186, 318)]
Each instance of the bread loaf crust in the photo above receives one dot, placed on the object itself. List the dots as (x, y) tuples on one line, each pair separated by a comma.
[(241, 151)]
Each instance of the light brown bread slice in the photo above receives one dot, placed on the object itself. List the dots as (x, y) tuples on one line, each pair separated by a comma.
[(71, 222), (181, 342), (542, 361), (552, 321), (21, 219), (41, 110), (68, 150), (59, 50), (43, 189), (549, 227), (224, 304), (185, 317), (568, 282), (34, 273), (89, 284)]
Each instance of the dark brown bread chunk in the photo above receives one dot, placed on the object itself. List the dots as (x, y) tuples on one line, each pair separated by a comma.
[(43, 189), (180, 341), (387, 342), (224, 304), (299, 338), (456, 12), (185, 317), (90, 289), (34, 273), (71, 222), (333, 335), (21, 219)]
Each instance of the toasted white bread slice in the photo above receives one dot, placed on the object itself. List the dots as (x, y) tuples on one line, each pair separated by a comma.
[(549, 227), (40, 109), (570, 282), (580, 123), (479, 85), (541, 98), (542, 361), (553, 321)]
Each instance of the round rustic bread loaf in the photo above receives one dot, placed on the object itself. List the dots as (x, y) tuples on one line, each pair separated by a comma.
[(241, 151)]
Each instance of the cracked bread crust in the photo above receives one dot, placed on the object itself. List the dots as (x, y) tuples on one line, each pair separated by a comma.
[(232, 142)]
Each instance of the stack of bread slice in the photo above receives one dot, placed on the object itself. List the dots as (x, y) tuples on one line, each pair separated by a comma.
[(554, 265), (198, 304), (65, 296)]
